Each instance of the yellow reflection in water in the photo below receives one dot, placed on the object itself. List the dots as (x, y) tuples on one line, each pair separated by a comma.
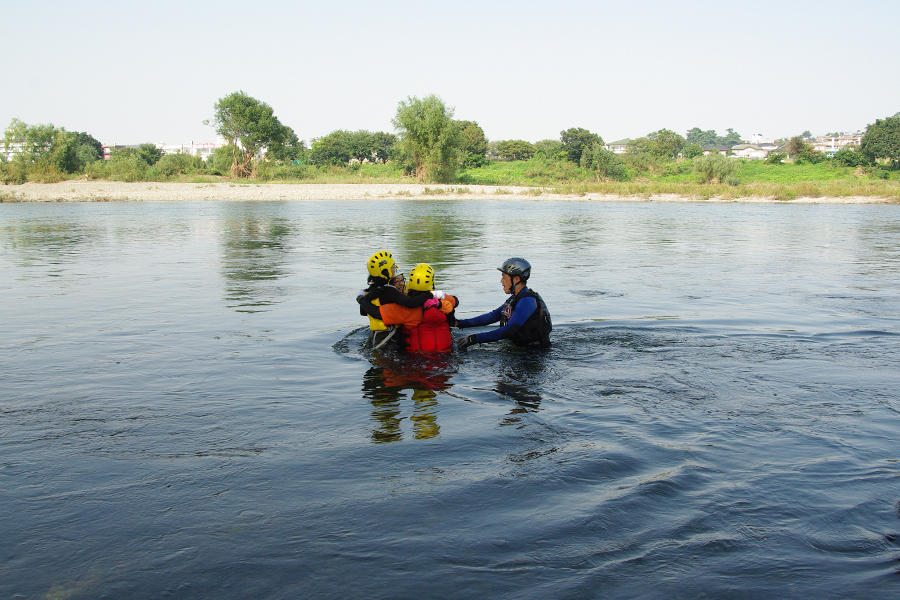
[(386, 384)]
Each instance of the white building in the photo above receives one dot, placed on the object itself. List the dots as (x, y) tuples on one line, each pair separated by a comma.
[(619, 146), (758, 139), (12, 150), (749, 151), (831, 145), (202, 149)]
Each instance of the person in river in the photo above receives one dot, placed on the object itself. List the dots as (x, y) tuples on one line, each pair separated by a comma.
[(425, 329), (524, 318), (386, 285)]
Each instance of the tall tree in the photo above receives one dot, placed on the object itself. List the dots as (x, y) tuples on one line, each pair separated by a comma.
[(702, 138), (666, 143), (732, 138), (882, 140), (575, 140), (249, 124), (332, 149), (474, 144), (429, 137), (383, 144)]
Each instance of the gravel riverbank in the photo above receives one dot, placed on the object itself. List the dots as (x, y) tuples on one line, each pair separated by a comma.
[(117, 191)]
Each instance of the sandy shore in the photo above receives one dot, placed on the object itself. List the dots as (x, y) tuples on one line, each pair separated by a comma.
[(114, 191)]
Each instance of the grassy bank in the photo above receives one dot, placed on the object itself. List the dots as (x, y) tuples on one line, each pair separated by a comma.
[(643, 179)]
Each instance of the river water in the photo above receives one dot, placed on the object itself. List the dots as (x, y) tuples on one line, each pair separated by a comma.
[(188, 409)]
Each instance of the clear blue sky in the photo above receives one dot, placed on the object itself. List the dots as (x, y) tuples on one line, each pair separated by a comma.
[(129, 72)]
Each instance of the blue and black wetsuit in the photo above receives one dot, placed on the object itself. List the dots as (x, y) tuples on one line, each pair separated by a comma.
[(523, 318)]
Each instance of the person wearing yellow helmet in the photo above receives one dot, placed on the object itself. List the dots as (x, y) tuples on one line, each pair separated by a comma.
[(386, 285), (425, 329)]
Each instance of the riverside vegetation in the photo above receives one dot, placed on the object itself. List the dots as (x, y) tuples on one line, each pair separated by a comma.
[(432, 147)]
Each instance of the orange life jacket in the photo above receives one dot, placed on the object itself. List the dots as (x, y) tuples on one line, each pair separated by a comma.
[(431, 335)]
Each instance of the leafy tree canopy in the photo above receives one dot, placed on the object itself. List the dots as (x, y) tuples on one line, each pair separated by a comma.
[(474, 144), (801, 150), (710, 138), (150, 153), (514, 150), (882, 140), (56, 148), (332, 149), (286, 148), (429, 138), (551, 149), (575, 140), (341, 146), (664, 143), (251, 125)]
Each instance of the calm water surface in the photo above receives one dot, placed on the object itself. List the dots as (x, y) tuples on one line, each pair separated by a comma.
[(188, 410)]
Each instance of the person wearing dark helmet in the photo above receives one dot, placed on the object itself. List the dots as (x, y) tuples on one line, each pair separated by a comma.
[(524, 318)]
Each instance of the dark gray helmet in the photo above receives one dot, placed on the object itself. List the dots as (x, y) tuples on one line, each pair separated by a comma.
[(517, 266)]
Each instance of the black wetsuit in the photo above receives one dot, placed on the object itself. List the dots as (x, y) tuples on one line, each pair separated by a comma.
[(387, 294)]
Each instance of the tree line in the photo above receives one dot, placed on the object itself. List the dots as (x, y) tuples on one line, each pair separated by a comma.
[(428, 144)]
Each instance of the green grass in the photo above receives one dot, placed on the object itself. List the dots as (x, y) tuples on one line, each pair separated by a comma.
[(646, 178)]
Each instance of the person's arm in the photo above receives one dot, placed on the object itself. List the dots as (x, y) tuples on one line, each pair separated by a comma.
[(367, 308), (394, 314), (485, 319), (391, 295), (524, 309), (448, 304)]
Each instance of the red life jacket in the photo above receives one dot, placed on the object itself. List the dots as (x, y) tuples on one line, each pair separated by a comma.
[(431, 335)]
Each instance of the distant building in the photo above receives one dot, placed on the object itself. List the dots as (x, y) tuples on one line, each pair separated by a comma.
[(202, 149), (832, 144), (750, 151), (108, 149), (757, 139), (619, 146), (13, 149), (715, 149)]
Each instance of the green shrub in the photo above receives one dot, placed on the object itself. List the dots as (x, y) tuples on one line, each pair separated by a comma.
[(171, 165), (126, 167), (714, 168), (847, 157), (221, 160), (283, 172), (14, 172), (45, 171), (610, 165)]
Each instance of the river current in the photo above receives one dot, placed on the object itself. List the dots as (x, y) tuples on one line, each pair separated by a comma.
[(188, 409)]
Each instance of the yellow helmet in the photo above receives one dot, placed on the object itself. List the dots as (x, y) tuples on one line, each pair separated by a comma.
[(380, 264), (421, 278)]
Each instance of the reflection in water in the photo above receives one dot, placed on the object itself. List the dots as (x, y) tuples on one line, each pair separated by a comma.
[(384, 385), (522, 374), (49, 241), (255, 252), (527, 399), (435, 237), (876, 252)]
